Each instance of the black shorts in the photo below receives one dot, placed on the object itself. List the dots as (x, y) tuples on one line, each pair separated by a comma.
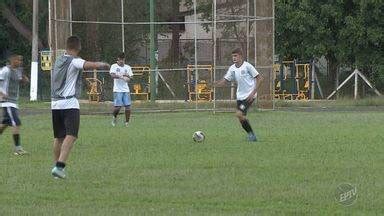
[(243, 106), (11, 116), (65, 122)]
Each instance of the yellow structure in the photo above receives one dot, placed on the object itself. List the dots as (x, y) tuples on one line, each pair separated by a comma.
[(203, 90), (141, 82), (302, 81), (279, 92), (46, 60), (297, 76), (94, 88)]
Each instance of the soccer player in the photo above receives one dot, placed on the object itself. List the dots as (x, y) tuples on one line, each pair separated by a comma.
[(248, 81), (10, 78), (65, 91), (121, 74)]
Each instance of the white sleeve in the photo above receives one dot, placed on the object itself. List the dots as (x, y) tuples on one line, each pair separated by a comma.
[(3, 77), (252, 71), (112, 69), (3, 73), (229, 76), (78, 63)]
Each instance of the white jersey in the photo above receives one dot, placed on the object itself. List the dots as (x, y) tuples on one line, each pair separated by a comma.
[(66, 85), (119, 85), (245, 77), (9, 85)]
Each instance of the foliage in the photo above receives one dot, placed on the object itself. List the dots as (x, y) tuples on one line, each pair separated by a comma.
[(350, 33), (10, 40)]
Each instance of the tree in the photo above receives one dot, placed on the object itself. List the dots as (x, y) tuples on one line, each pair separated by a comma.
[(348, 33), (16, 25)]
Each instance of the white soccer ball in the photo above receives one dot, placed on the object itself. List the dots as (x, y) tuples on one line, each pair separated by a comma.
[(198, 136)]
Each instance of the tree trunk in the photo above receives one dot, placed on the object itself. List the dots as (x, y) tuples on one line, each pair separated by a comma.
[(18, 25)]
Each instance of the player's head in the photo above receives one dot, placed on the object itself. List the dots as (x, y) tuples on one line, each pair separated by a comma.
[(121, 59), (15, 60), (74, 44), (237, 55)]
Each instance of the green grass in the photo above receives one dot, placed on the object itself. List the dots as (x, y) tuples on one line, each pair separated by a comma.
[(340, 103), (154, 168)]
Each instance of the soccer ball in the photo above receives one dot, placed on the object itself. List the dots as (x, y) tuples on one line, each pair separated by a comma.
[(198, 136)]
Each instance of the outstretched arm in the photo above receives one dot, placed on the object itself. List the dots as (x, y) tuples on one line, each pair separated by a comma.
[(95, 65), (221, 83)]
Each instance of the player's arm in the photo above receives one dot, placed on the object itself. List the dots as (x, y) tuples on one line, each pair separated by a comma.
[(3, 74), (258, 80), (95, 65), (113, 73), (115, 76), (221, 83), (2, 95), (128, 76), (229, 76), (24, 79)]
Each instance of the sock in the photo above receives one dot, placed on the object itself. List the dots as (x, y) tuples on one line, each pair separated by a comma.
[(116, 111), (246, 126), (16, 139), (60, 164), (127, 115)]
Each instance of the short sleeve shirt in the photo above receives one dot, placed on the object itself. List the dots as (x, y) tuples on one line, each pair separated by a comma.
[(119, 85), (76, 65), (245, 77)]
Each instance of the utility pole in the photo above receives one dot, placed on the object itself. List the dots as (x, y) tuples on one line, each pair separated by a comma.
[(35, 51), (152, 49)]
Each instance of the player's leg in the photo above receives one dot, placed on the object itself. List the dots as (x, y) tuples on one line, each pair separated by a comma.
[(16, 139), (117, 103), (5, 122), (72, 123), (116, 110), (57, 143), (2, 128), (66, 147), (59, 131), (16, 123), (127, 105), (242, 108)]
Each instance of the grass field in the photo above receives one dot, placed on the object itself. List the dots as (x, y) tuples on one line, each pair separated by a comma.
[(154, 168)]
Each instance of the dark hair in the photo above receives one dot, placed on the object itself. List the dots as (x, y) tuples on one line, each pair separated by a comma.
[(73, 43), (12, 56), (238, 51), (121, 55)]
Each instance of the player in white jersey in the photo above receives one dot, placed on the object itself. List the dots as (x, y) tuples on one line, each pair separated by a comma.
[(121, 74), (10, 78), (248, 81), (65, 90)]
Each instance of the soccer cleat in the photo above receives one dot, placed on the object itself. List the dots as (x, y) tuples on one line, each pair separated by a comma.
[(58, 172), (126, 124), (114, 122), (252, 138), (19, 151)]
